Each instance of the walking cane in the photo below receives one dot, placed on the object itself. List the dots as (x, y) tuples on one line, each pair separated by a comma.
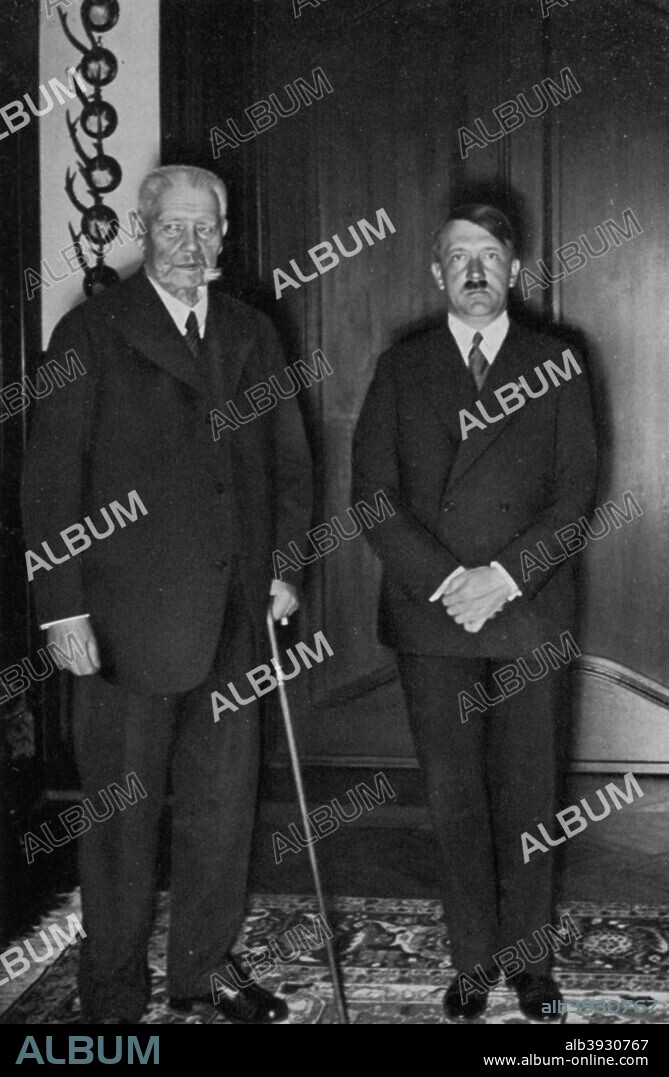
[(308, 829)]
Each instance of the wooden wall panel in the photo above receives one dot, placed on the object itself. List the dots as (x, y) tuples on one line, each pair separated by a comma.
[(406, 75), (382, 139), (615, 156)]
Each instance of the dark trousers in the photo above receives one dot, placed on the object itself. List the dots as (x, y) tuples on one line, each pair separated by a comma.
[(487, 780), (214, 775)]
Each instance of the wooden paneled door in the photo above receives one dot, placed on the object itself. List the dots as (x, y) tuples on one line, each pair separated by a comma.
[(399, 82), (602, 233), (383, 139)]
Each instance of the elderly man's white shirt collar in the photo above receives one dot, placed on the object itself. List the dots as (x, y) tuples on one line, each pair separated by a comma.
[(493, 336), (179, 311)]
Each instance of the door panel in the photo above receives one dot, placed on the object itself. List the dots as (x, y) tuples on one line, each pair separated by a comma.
[(406, 77)]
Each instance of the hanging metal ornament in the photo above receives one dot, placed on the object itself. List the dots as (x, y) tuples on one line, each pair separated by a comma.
[(99, 119), (99, 15), (101, 172), (98, 66), (99, 223), (99, 277)]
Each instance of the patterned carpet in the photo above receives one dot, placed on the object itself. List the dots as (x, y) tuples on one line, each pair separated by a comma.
[(395, 963)]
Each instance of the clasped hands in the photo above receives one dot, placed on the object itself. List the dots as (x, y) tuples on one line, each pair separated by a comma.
[(474, 596)]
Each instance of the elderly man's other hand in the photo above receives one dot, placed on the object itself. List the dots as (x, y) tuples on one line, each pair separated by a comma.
[(81, 628)]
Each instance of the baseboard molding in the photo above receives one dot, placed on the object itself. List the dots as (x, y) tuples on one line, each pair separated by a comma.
[(621, 719), (357, 689), (621, 723)]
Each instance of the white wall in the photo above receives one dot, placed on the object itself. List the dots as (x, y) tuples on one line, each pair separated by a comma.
[(134, 93)]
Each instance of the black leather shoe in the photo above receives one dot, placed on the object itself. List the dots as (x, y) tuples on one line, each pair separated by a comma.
[(466, 1002), (534, 992), (250, 1005)]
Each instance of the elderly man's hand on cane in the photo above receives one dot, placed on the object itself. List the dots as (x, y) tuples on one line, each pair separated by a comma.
[(284, 600)]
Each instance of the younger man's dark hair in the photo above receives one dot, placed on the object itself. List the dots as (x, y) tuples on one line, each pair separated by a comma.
[(486, 216)]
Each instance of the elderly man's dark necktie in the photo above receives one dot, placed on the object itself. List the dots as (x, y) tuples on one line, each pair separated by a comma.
[(478, 364), (192, 336)]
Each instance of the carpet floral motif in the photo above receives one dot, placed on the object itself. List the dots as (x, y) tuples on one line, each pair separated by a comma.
[(394, 956)]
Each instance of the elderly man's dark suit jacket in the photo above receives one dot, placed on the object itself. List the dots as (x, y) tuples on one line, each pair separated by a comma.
[(139, 420), (470, 502)]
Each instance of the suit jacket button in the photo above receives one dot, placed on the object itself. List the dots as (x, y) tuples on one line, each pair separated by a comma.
[(448, 505), (220, 565), (504, 506), (220, 487)]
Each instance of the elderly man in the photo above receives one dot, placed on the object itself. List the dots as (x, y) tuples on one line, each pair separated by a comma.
[(170, 605), (475, 486)]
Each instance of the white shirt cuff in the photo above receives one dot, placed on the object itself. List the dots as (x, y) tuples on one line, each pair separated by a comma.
[(442, 587), (515, 592), (64, 619)]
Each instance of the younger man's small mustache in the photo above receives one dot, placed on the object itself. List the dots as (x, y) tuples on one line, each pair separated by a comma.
[(475, 285)]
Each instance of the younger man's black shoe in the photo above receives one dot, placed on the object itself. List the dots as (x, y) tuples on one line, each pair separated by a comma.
[(461, 1001), (534, 993)]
